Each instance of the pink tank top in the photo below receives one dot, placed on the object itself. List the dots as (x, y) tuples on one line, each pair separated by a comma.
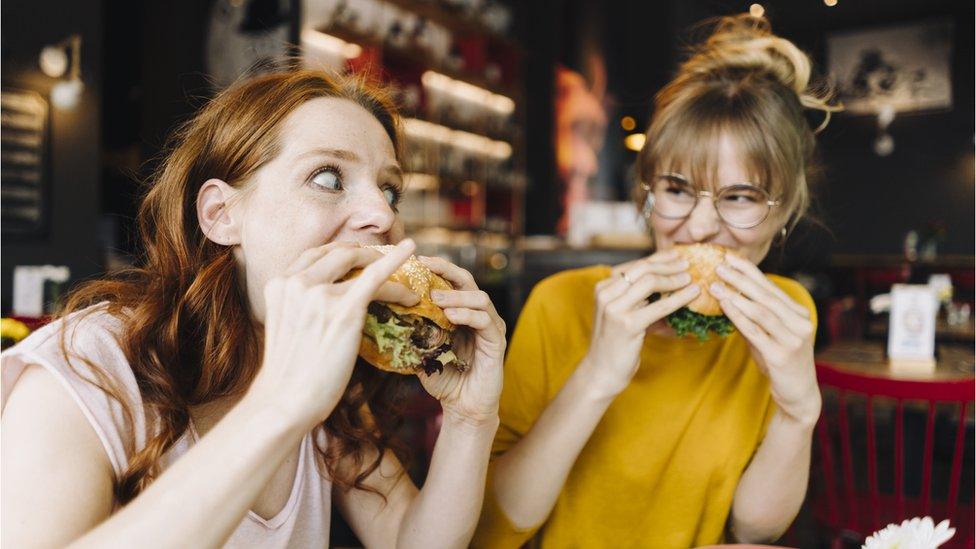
[(304, 520)]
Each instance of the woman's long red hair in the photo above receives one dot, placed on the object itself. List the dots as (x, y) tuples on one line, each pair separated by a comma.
[(187, 329)]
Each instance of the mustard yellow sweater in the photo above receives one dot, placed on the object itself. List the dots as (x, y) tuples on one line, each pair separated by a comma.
[(661, 468)]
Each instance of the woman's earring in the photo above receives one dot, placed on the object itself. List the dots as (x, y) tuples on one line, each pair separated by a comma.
[(782, 236), (648, 206)]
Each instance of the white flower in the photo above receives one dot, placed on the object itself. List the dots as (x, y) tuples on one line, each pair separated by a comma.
[(917, 533)]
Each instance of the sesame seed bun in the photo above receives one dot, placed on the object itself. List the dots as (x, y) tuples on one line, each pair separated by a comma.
[(420, 280)]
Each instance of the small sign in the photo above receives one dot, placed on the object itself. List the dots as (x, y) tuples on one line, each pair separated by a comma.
[(911, 334), (23, 149), (37, 289)]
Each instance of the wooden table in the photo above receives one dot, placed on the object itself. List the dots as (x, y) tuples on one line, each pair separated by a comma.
[(953, 362)]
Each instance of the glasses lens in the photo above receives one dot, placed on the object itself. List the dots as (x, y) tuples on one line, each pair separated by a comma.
[(743, 205), (673, 197)]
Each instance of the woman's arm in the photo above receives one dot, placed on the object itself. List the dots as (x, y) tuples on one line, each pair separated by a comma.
[(528, 478), (444, 513), (50, 452), (772, 489), (780, 333), (202, 497)]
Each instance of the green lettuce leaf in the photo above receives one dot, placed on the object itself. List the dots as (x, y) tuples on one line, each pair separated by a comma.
[(393, 339), (685, 321)]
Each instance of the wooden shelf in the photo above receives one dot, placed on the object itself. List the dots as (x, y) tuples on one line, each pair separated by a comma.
[(456, 22), (421, 57)]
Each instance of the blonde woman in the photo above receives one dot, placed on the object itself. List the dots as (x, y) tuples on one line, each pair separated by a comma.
[(615, 432)]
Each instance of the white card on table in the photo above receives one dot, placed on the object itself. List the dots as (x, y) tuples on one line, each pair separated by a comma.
[(911, 332)]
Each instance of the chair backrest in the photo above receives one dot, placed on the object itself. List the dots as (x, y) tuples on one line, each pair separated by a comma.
[(860, 505), (843, 319)]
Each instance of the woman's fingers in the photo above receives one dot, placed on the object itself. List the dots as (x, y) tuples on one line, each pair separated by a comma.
[(609, 289), (668, 256), (650, 283), (466, 296), (394, 292), (651, 313), (479, 320), (759, 292), (623, 281), (750, 272), (763, 317), (676, 266), (465, 299), (749, 329), (458, 277), (365, 286), (336, 264), (476, 299), (485, 325), (766, 309)]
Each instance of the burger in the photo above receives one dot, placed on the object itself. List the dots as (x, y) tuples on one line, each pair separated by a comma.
[(407, 340), (703, 315)]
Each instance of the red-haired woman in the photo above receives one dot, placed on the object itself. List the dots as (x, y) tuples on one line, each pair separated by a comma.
[(210, 397)]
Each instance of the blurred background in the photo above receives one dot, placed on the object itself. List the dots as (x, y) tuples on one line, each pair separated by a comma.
[(522, 122)]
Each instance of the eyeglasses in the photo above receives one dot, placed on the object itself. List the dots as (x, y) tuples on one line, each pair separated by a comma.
[(741, 205)]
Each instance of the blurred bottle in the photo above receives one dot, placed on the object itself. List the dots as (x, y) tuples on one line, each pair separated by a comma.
[(911, 246)]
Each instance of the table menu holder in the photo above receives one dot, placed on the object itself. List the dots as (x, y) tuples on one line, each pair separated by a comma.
[(911, 333)]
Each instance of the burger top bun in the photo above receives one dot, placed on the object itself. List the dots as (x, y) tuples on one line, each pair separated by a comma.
[(420, 280), (702, 260)]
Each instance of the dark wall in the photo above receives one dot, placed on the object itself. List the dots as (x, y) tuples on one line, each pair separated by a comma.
[(542, 209), (74, 155), (868, 202), (154, 79)]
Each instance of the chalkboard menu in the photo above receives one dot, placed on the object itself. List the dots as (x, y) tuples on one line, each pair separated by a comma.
[(23, 146)]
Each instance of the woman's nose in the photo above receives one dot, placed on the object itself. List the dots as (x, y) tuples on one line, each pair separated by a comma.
[(372, 212), (704, 221)]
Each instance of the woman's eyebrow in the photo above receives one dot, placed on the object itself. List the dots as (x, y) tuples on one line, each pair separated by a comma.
[(340, 154), (675, 175), (393, 169)]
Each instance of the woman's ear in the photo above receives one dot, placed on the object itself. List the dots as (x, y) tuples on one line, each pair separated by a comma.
[(218, 221)]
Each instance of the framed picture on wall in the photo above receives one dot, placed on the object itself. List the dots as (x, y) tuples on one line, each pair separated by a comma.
[(23, 162), (905, 67)]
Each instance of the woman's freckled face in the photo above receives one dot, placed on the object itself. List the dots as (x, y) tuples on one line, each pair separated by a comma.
[(336, 178)]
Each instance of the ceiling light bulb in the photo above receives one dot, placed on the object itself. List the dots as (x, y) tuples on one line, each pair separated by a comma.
[(54, 61)]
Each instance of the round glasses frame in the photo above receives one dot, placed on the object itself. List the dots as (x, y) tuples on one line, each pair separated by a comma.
[(714, 197)]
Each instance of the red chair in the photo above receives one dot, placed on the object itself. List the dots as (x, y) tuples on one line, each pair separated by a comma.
[(843, 320), (851, 506)]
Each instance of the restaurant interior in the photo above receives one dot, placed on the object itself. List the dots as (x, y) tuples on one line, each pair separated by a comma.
[(522, 124)]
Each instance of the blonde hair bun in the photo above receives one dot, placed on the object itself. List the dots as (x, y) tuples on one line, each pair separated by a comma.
[(747, 43)]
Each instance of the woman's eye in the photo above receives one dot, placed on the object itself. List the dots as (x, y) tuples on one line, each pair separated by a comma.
[(743, 197), (328, 179), (393, 196)]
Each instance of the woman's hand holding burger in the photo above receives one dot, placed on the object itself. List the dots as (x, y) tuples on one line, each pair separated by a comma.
[(624, 313), (780, 334), (313, 324), (470, 396)]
